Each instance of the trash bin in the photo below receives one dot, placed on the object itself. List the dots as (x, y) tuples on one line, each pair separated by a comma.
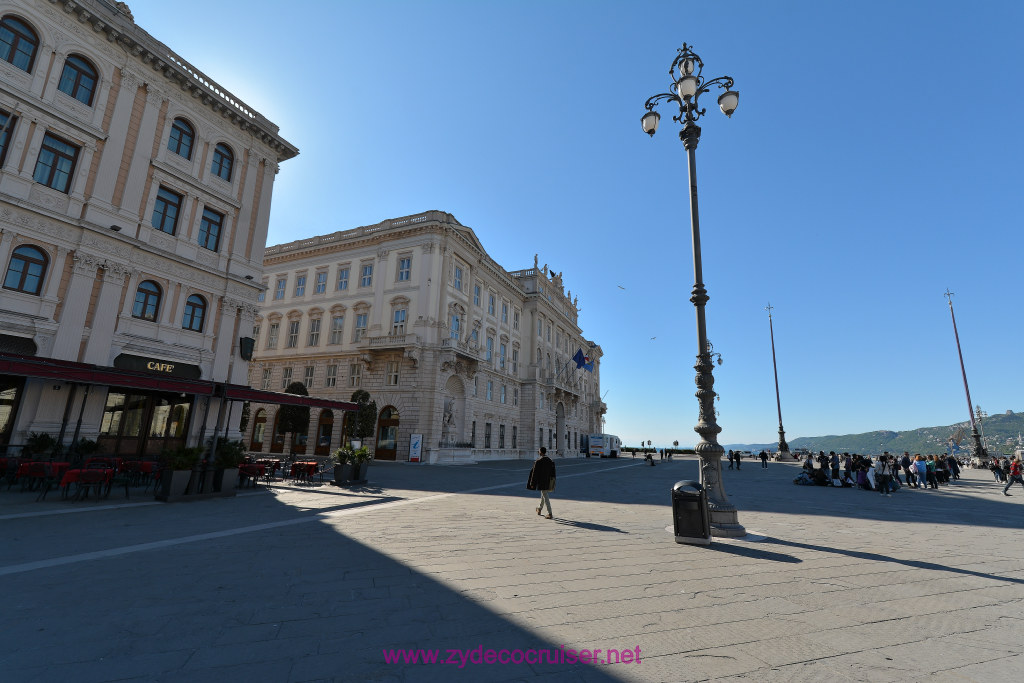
[(690, 518)]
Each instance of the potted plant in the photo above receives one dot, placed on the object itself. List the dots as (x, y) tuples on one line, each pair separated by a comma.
[(176, 471), (38, 443), (227, 456), (342, 466), (360, 459)]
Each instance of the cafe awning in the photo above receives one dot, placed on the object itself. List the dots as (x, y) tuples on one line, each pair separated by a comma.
[(84, 373), (238, 392)]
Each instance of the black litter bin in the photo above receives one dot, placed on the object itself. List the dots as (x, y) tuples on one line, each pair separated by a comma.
[(690, 518)]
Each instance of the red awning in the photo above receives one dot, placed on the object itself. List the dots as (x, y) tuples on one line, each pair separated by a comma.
[(83, 373), (238, 392)]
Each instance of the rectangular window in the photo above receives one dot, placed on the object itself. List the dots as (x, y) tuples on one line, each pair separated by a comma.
[(404, 268), (272, 335), (513, 436), (540, 330), (472, 435), (515, 320), (279, 289), (540, 437), (549, 333), (286, 378), (6, 133), (300, 285), (501, 356), (209, 229), (490, 304), (455, 326), (262, 296), (474, 337), (458, 278), (166, 210), (476, 295), (398, 326), (56, 163), (293, 335), (355, 374), (504, 312), (502, 393), (342, 279), (331, 379), (487, 435), (476, 386), (515, 362), (266, 379), (321, 282), (392, 373), (360, 327), (314, 332), (501, 436), (541, 400), (490, 347), (515, 402), (490, 390), (307, 377), (367, 278), (256, 332), (337, 326)]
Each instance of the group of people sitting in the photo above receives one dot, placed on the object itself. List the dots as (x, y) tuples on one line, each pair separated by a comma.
[(881, 474)]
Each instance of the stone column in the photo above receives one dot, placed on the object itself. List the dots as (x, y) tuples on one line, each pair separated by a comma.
[(76, 307), (97, 349)]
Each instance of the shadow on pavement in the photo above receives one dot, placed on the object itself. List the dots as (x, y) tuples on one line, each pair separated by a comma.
[(753, 553), (588, 525), (875, 557)]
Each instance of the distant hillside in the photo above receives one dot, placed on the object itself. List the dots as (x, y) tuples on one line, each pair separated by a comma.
[(1001, 432)]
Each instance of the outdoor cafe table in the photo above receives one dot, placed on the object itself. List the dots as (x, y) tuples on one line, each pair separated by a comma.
[(72, 476), (58, 468), (306, 468), (110, 462)]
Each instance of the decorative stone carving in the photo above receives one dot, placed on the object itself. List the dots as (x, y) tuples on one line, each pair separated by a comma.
[(367, 360), (116, 272), (413, 356), (428, 248), (86, 264), (382, 253)]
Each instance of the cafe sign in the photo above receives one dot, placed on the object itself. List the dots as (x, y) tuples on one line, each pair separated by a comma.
[(157, 366)]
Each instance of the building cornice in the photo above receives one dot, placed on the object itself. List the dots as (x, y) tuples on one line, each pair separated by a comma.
[(115, 21)]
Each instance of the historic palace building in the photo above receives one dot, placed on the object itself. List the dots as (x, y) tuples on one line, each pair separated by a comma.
[(465, 360), (134, 201)]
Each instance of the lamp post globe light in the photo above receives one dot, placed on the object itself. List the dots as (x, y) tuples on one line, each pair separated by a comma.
[(688, 84)]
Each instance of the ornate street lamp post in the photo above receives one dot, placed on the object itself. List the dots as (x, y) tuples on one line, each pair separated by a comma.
[(979, 450), (783, 446), (688, 84)]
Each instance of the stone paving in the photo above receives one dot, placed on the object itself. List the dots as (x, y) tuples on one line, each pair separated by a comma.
[(313, 583)]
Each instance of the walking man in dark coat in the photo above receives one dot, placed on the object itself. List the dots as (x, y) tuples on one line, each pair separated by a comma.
[(542, 478)]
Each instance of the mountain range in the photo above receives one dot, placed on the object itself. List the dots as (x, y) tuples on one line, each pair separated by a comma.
[(1002, 435)]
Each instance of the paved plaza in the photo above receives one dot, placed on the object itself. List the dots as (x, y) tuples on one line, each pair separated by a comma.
[(314, 583)]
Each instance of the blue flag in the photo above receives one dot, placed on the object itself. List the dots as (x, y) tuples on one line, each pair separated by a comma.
[(583, 361)]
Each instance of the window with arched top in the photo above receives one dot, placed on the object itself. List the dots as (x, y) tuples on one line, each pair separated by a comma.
[(18, 43), (147, 301), (26, 270), (223, 162), (195, 313), (78, 79), (182, 138)]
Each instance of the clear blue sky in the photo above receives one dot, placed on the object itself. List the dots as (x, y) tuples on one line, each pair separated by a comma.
[(874, 161)]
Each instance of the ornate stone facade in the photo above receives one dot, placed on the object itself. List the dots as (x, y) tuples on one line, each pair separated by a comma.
[(413, 310), (93, 219)]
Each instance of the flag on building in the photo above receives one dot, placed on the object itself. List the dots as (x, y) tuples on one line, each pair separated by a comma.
[(583, 361)]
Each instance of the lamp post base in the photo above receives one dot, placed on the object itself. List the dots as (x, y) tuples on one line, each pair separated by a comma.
[(725, 523)]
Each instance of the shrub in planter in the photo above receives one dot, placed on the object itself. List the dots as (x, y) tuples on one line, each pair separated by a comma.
[(227, 456), (342, 466), (177, 466)]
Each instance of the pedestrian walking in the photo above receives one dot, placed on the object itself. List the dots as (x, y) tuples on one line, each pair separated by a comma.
[(764, 460), (542, 478), (1014, 476), (833, 460), (730, 459), (905, 464)]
